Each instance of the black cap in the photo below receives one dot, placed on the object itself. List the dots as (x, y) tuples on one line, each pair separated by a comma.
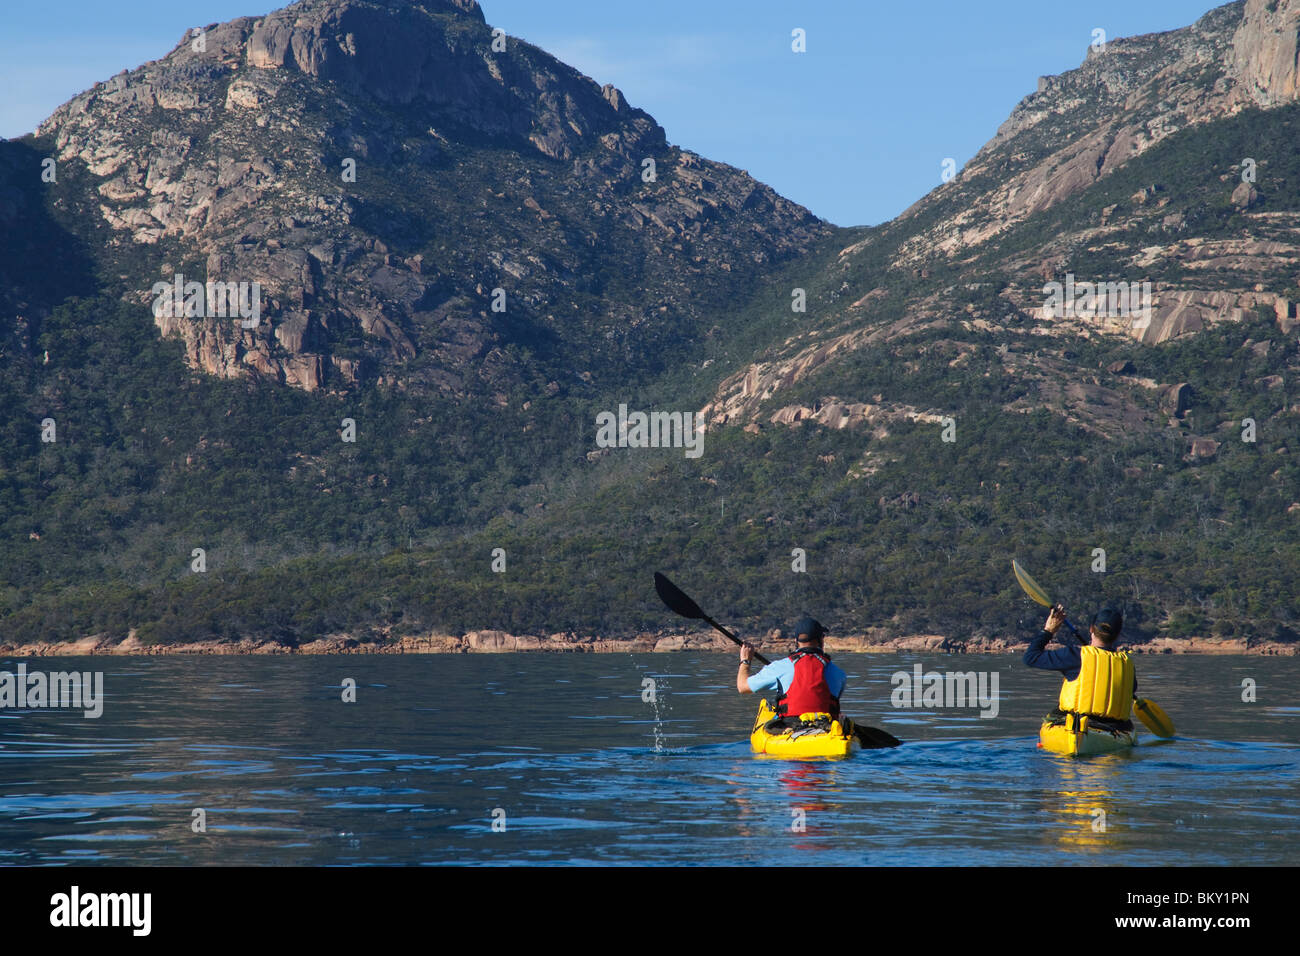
[(809, 626), (1108, 622)]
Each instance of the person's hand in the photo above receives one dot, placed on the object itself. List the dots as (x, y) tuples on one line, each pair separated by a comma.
[(1055, 619), (746, 652)]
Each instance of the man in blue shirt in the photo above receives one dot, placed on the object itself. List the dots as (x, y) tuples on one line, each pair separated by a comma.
[(806, 681)]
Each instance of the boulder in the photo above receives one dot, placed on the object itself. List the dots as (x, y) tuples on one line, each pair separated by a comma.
[(1285, 310), (490, 642), (903, 502), (1176, 399), (1245, 196), (791, 415), (690, 642)]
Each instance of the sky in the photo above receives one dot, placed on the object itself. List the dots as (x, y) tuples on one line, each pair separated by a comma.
[(856, 128)]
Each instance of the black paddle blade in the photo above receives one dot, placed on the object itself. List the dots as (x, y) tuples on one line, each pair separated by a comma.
[(873, 738), (676, 598)]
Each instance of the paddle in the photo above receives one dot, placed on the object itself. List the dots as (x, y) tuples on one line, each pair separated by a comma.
[(1154, 717), (1149, 712), (1035, 591), (680, 603), (873, 738)]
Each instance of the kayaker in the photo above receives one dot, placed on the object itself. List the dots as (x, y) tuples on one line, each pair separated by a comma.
[(1099, 681), (807, 681)]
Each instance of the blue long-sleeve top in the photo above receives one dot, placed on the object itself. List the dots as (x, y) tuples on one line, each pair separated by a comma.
[(1065, 659)]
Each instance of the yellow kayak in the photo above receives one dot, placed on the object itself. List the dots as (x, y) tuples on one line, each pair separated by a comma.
[(828, 740), (1085, 741)]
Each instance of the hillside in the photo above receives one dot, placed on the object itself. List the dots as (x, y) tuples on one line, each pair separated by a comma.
[(1102, 428)]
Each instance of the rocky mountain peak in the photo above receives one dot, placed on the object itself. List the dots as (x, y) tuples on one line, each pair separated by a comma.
[(390, 49), (1144, 122), (406, 187), (1127, 96)]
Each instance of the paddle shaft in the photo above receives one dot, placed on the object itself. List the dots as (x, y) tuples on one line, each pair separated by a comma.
[(679, 602), (757, 656)]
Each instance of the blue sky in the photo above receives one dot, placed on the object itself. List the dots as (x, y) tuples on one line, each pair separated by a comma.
[(856, 128)]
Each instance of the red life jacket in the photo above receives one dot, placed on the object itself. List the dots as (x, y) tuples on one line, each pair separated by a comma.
[(808, 692)]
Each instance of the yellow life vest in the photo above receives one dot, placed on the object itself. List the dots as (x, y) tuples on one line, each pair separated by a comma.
[(1104, 687)]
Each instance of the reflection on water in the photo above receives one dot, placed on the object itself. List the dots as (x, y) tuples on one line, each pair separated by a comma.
[(1087, 815), (576, 765), (812, 788)]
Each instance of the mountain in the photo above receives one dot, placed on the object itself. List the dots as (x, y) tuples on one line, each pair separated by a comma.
[(1102, 142), (378, 168), (1128, 96), (950, 397)]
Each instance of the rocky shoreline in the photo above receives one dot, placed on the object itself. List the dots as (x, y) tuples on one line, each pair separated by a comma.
[(500, 642)]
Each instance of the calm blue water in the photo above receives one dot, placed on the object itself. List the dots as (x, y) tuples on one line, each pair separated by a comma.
[(581, 770)]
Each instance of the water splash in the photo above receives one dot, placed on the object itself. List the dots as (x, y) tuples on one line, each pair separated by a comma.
[(653, 693), (661, 708)]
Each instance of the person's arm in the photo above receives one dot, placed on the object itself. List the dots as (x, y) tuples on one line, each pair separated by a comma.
[(772, 677), (836, 680), (1058, 659), (742, 676), (1063, 658), (1068, 638)]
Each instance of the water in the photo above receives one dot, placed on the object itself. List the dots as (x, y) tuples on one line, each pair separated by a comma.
[(580, 769)]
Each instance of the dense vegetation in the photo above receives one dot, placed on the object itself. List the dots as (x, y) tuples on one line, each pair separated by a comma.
[(305, 534)]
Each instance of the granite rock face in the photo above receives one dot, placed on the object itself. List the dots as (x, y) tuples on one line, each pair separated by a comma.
[(379, 169), (1126, 96), (1075, 131), (1265, 58)]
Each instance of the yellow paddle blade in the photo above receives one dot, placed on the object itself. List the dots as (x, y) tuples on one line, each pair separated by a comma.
[(1031, 586), (1157, 720)]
